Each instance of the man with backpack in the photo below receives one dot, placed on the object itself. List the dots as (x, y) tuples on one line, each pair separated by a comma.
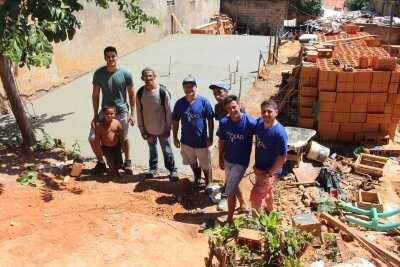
[(154, 116)]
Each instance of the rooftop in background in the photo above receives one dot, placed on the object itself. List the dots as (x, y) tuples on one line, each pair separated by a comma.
[(337, 5)]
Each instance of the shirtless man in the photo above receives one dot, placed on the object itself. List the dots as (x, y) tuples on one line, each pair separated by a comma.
[(110, 139)]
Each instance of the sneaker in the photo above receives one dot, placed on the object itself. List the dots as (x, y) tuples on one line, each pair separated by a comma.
[(128, 167), (100, 168), (173, 177)]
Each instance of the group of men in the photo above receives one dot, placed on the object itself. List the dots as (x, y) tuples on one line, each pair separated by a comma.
[(156, 117)]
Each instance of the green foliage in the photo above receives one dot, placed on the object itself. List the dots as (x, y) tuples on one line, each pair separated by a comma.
[(47, 142), (75, 152), (309, 7), (28, 28), (281, 248), (356, 4), (28, 177)]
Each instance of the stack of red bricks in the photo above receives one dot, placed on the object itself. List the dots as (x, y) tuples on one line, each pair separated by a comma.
[(349, 104)]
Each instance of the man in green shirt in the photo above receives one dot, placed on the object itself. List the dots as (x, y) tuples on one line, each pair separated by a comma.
[(115, 85)]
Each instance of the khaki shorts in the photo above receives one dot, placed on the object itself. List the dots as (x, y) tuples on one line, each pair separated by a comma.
[(196, 156), (123, 119)]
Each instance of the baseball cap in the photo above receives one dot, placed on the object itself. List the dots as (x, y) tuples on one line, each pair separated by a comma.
[(222, 85), (189, 79)]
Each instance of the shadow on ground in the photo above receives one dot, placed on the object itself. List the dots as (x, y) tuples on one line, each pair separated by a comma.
[(9, 131)]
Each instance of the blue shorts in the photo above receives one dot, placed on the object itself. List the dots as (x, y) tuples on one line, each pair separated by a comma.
[(233, 175)]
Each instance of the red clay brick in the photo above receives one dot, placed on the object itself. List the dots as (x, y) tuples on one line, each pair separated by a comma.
[(327, 96), (309, 91), (342, 107), (363, 77), (370, 127), (396, 110), (375, 118), (360, 98), (328, 126), (372, 108), (326, 106), (307, 101), (351, 127), (362, 87), (358, 108), (327, 86), (395, 77), (381, 76), (393, 88), (341, 117), (387, 118), (309, 72), (358, 117), (379, 87), (388, 109), (392, 98), (345, 97), (389, 129), (305, 122), (358, 137), (326, 116), (309, 81), (305, 112), (398, 99), (345, 77), (375, 98)]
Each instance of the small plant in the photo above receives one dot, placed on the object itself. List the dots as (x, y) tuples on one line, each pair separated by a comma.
[(47, 142), (28, 177), (75, 152)]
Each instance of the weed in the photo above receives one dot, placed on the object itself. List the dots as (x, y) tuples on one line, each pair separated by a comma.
[(75, 152), (28, 177)]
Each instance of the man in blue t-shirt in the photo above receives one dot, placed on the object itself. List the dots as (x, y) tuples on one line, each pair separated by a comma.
[(235, 134), (271, 153), (196, 115)]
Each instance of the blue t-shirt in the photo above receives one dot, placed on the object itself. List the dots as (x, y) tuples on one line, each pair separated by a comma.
[(238, 137), (193, 118), (270, 144)]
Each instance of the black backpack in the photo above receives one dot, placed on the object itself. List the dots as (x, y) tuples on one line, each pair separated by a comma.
[(163, 94)]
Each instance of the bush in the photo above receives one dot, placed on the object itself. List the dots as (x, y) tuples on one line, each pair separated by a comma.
[(309, 7), (356, 4)]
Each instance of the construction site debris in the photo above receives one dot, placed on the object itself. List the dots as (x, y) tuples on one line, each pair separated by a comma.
[(368, 200), (318, 152), (306, 173), (370, 164)]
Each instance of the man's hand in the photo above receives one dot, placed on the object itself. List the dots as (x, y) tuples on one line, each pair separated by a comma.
[(177, 143), (210, 141), (131, 120), (221, 164)]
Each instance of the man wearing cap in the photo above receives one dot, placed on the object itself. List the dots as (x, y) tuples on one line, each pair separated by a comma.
[(220, 91), (196, 116)]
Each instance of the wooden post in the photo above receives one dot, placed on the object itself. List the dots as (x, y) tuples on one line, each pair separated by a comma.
[(10, 87), (169, 67), (269, 49), (240, 87)]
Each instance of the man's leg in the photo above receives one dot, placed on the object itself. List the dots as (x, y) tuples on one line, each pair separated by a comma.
[(269, 198), (258, 193), (204, 156), (153, 154), (234, 173), (240, 198), (100, 167), (189, 158), (169, 161), (123, 118)]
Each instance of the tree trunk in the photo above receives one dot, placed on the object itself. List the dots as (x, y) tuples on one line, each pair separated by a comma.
[(24, 124)]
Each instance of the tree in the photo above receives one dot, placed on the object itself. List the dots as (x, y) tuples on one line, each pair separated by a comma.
[(308, 7), (357, 4), (29, 27)]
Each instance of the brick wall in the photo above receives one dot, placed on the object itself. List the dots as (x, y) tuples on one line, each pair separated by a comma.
[(259, 15)]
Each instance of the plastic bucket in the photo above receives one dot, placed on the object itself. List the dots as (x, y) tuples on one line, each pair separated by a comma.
[(318, 152)]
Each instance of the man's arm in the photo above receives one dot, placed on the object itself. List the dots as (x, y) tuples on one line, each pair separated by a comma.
[(221, 151), (97, 138), (132, 103), (139, 117), (168, 114), (121, 135), (278, 164), (95, 102), (175, 128), (210, 131)]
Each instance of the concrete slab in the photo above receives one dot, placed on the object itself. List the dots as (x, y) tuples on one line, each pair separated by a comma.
[(68, 110)]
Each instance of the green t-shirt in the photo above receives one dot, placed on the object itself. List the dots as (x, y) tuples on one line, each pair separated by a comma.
[(113, 87)]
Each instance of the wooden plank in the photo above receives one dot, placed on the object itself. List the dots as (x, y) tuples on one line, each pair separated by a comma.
[(379, 252)]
